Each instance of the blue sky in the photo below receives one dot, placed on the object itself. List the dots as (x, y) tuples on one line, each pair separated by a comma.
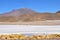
[(37, 5)]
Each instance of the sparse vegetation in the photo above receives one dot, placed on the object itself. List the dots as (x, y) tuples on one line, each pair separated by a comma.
[(33, 37)]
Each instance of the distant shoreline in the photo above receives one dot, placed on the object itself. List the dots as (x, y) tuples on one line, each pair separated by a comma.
[(47, 22)]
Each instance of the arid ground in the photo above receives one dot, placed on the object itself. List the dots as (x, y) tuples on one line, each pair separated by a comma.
[(47, 22)]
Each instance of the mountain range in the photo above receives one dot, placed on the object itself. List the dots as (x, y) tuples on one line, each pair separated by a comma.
[(26, 14)]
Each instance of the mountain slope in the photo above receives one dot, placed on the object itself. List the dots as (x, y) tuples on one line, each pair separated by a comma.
[(26, 14)]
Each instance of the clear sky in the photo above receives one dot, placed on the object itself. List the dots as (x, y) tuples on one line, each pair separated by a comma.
[(37, 5)]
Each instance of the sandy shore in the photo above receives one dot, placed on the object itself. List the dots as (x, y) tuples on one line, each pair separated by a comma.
[(47, 22)]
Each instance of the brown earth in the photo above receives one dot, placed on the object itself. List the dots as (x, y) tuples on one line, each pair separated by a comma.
[(27, 15)]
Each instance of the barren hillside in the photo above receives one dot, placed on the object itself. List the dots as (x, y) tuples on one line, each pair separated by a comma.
[(25, 14)]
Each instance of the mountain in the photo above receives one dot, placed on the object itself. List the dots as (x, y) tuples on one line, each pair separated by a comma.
[(17, 12), (14, 14), (26, 14)]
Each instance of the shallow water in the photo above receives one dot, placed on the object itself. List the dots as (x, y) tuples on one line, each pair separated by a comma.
[(25, 29)]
